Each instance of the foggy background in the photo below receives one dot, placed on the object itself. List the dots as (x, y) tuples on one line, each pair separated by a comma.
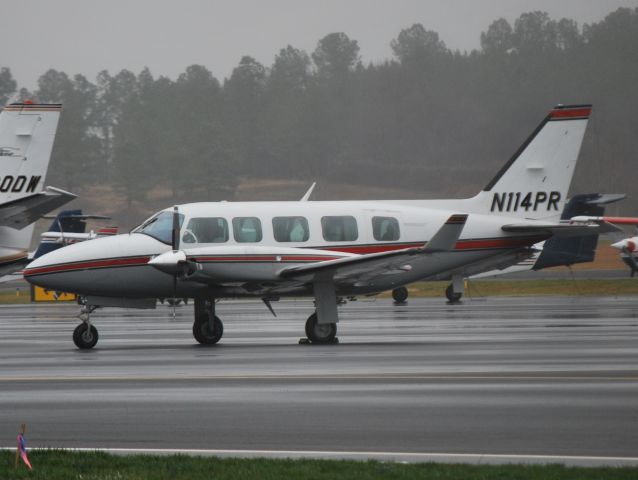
[(198, 100)]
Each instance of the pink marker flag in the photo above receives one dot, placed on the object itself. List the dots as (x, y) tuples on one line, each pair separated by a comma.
[(22, 449)]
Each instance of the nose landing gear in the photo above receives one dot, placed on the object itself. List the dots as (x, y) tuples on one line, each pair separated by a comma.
[(85, 335)]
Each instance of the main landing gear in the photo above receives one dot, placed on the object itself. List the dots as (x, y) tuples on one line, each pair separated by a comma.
[(85, 335), (207, 327), (321, 326), (320, 332), (455, 290), (400, 295)]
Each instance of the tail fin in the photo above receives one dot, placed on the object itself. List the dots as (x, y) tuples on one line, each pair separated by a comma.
[(68, 227), (67, 221), (535, 181), (27, 131)]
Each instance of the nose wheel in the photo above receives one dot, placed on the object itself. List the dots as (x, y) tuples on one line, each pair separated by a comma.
[(85, 334)]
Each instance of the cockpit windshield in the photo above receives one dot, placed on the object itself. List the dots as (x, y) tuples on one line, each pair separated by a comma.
[(160, 226)]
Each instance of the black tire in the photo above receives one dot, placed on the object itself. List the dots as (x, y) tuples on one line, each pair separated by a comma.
[(320, 332), (202, 333), (85, 338), (451, 295), (400, 295)]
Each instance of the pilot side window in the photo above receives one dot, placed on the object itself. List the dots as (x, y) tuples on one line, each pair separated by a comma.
[(206, 230), (290, 229), (160, 226), (339, 229), (385, 229), (247, 229)]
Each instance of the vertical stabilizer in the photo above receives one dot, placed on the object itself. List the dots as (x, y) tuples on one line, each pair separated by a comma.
[(534, 183), (27, 132)]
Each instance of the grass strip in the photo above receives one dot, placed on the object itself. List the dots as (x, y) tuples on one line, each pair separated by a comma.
[(67, 465), (510, 288)]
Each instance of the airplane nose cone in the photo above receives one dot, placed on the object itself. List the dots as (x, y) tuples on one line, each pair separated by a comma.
[(76, 268), (619, 245), (626, 244)]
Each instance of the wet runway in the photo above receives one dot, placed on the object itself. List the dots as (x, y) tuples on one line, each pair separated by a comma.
[(520, 377)]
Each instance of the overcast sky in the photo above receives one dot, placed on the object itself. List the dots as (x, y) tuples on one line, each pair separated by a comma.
[(86, 36)]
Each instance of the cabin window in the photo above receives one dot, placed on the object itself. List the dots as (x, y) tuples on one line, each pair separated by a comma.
[(206, 230), (385, 229), (160, 226), (247, 229), (339, 229), (290, 229)]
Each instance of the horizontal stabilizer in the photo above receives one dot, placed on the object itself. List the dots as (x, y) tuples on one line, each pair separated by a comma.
[(26, 210), (614, 220), (561, 229)]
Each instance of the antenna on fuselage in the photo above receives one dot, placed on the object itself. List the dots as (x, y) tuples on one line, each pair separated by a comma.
[(307, 194)]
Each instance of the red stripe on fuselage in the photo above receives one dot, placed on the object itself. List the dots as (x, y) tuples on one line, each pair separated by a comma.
[(469, 244), (92, 264), (365, 249), (262, 258)]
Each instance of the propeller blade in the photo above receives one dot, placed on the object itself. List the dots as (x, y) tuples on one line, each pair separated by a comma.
[(175, 238), (174, 294), (175, 245)]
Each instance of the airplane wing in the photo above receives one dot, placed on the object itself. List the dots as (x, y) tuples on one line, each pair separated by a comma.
[(374, 264), (26, 210)]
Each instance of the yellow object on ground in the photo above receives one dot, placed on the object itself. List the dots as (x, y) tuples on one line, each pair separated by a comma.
[(40, 294)]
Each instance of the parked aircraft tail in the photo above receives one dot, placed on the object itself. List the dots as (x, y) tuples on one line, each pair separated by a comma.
[(69, 227), (27, 131), (559, 251), (534, 183)]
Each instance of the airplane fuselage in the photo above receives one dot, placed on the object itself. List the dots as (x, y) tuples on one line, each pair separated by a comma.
[(254, 241)]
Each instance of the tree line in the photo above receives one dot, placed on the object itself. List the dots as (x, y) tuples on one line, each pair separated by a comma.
[(430, 118)]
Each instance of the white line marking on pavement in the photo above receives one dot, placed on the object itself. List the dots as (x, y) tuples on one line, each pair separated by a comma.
[(473, 458)]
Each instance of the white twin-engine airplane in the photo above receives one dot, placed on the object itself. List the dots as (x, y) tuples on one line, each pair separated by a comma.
[(323, 249), (27, 131)]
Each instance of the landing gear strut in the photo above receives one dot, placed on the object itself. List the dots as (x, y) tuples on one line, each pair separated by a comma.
[(400, 294), (207, 327), (85, 335), (321, 326)]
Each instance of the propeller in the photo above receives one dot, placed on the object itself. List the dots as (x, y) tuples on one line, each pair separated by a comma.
[(175, 245), (174, 262)]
